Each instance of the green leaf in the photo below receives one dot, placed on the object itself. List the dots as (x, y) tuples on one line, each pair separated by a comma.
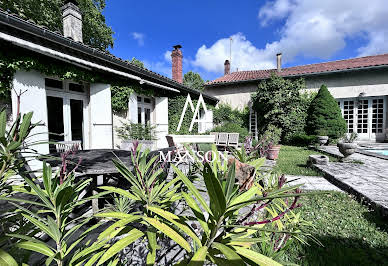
[(115, 228), (192, 189), (3, 123), (6, 259), (152, 243), (175, 220), (256, 257), (40, 225), (94, 258), (199, 257), (120, 191), (230, 181), (37, 247), (214, 189), (232, 257), (168, 231), (39, 192), (118, 215), (197, 212), (133, 235), (25, 126)]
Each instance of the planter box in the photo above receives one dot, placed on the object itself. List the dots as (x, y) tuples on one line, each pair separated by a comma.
[(145, 144)]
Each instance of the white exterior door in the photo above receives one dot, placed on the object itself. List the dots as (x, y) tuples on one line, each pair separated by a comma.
[(365, 116), (69, 123)]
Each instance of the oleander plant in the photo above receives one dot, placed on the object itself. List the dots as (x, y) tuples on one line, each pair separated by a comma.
[(201, 212)]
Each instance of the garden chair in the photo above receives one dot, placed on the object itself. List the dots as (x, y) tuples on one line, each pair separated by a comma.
[(170, 141), (233, 140), (216, 136), (64, 146), (222, 141)]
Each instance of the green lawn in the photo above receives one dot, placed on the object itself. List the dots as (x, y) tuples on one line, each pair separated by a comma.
[(292, 161), (351, 234)]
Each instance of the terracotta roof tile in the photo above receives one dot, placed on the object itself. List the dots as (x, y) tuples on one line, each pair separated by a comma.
[(353, 63)]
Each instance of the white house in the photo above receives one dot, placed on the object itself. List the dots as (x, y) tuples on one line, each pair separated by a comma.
[(80, 111), (360, 86)]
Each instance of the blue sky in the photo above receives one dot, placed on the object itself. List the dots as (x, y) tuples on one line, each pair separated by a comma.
[(305, 31)]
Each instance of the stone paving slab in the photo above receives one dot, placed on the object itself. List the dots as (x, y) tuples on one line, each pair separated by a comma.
[(312, 183), (368, 180)]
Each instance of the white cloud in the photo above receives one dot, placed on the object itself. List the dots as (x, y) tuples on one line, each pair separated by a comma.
[(245, 55), (139, 37), (311, 29), (160, 67)]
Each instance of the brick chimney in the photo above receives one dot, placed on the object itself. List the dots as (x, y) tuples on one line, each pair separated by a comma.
[(226, 67), (279, 61), (177, 57), (72, 21)]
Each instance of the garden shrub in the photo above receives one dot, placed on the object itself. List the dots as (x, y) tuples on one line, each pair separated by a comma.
[(279, 102), (232, 128), (324, 116), (135, 131), (224, 113), (301, 140)]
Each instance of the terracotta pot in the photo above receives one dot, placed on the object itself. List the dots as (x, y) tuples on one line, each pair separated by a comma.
[(347, 149), (273, 153), (323, 140)]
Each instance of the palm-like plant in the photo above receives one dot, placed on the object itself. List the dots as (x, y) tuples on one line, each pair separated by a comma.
[(149, 193), (56, 200)]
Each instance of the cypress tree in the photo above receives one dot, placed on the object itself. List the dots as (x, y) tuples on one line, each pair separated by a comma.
[(324, 116)]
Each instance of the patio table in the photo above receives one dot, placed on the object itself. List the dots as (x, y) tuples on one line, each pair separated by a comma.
[(98, 165)]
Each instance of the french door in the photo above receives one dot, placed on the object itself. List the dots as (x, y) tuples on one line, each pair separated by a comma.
[(67, 117), (365, 116)]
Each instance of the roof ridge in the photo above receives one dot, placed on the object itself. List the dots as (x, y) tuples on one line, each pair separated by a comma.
[(314, 68)]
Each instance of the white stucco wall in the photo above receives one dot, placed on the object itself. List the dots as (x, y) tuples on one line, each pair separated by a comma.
[(161, 121), (101, 124), (125, 117), (351, 84), (32, 85), (236, 95)]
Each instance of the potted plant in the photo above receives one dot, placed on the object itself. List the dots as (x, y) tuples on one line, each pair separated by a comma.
[(346, 145), (272, 135), (132, 132), (322, 137)]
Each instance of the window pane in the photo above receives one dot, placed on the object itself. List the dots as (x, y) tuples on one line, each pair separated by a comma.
[(55, 120), (76, 87), (138, 99), (52, 83), (139, 115), (76, 110), (147, 113), (147, 100)]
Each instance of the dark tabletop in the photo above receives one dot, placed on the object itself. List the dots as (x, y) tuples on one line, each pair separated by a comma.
[(98, 162)]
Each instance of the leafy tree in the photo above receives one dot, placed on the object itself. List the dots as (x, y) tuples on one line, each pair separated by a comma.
[(324, 116), (48, 13), (193, 80), (137, 62), (224, 113), (278, 102)]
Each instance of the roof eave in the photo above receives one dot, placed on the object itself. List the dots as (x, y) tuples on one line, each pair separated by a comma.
[(44, 33), (299, 75)]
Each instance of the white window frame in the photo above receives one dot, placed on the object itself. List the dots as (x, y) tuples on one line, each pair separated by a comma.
[(143, 105), (67, 95)]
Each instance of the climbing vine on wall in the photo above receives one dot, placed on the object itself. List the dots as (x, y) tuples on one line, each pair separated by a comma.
[(175, 108), (13, 59)]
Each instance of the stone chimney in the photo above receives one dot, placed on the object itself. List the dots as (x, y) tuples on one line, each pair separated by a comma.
[(226, 67), (279, 61), (72, 21), (177, 57)]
